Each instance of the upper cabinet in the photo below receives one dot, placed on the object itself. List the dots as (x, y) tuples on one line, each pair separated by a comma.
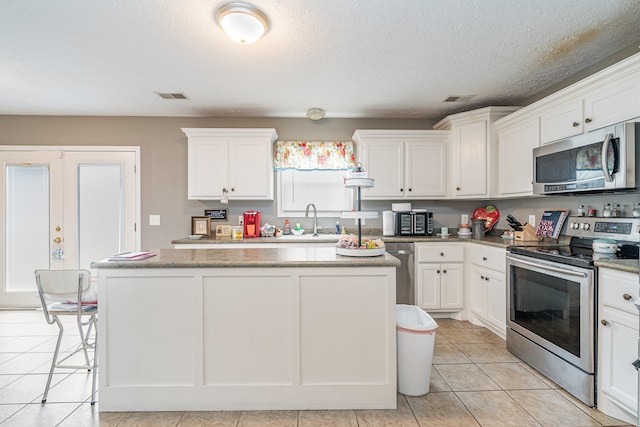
[(238, 162), (474, 154), (410, 164), (602, 105), (516, 142)]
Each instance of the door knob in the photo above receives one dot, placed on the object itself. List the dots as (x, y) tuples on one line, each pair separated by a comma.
[(604, 322), (57, 240)]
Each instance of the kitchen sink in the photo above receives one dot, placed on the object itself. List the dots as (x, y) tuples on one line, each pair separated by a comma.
[(330, 237)]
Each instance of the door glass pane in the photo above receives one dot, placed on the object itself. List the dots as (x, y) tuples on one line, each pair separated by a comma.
[(27, 225), (100, 212)]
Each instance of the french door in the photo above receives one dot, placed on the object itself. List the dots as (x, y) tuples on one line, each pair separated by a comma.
[(63, 209)]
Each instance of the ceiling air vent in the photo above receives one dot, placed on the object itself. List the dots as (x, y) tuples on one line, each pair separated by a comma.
[(465, 98), (165, 95)]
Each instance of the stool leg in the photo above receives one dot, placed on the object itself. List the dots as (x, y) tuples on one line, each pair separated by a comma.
[(95, 364), (54, 361)]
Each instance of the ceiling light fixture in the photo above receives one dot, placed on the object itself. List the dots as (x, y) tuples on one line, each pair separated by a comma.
[(315, 113), (243, 22)]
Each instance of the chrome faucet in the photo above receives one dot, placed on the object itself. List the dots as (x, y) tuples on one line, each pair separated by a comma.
[(315, 217)]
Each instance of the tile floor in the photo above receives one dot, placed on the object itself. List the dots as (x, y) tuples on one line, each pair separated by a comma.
[(474, 382)]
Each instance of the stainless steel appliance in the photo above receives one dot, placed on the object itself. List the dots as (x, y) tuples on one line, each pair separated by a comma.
[(601, 160), (552, 301), (414, 223), (405, 278)]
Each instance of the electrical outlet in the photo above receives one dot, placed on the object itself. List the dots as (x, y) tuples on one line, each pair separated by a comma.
[(154, 219), (240, 220)]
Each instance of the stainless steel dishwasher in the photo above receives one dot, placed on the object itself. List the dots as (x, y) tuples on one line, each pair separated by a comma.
[(405, 278)]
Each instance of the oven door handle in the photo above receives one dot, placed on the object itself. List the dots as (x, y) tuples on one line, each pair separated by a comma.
[(548, 267)]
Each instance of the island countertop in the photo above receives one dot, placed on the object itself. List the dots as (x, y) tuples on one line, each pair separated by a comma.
[(252, 257)]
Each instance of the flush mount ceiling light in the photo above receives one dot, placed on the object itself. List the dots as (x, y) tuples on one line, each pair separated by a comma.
[(243, 22), (315, 113)]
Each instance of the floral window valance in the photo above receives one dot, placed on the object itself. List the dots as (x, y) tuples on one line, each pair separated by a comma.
[(308, 155)]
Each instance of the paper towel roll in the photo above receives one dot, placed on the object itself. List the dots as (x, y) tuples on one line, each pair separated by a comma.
[(388, 223)]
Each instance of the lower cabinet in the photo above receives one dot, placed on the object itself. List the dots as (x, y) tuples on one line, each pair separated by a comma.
[(617, 344), (486, 281), (439, 277)]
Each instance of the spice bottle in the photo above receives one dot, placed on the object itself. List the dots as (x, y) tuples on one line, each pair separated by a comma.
[(636, 209), (580, 211), (287, 227), (606, 212)]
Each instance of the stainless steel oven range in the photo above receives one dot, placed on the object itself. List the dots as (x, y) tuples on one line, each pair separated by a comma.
[(552, 301)]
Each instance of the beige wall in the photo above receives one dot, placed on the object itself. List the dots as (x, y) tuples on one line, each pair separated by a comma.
[(164, 156)]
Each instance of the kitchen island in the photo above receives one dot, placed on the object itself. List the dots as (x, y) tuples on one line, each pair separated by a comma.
[(233, 329)]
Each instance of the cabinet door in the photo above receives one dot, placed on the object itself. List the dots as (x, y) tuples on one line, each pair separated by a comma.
[(428, 286), (426, 169), (612, 103), (250, 169), (496, 299), (618, 349), (470, 164), (562, 121), (384, 162), (477, 291), (451, 286), (515, 157), (207, 168)]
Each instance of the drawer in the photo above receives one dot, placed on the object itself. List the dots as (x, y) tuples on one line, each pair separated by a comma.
[(619, 290), (427, 252), (488, 257)]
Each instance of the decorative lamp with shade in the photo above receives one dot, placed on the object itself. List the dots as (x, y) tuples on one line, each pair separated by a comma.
[(243, 22)]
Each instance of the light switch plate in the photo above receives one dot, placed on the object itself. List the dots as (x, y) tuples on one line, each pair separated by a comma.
[(154, 219)]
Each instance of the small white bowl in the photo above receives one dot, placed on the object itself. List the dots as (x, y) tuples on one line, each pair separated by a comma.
[(195, 236), (299, 232)]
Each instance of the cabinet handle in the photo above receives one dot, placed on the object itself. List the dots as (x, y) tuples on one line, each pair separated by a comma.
[(587, 120), (409, 189), (604, 322), (486, 278), (437, 271), (444, 271), (441, 253), (481, 277), (401, 190), (458, 188), (484, 258), (576, 124), (627, 297), (233, 189)]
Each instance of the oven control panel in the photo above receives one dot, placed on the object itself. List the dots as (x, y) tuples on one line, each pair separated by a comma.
[(627, 229)]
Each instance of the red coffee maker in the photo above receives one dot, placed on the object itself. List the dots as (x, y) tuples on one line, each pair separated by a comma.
[(251, 221)]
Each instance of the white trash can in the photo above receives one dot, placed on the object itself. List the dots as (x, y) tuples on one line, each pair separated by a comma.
[(416, 334)]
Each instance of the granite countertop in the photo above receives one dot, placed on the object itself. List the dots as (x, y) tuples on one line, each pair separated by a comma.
[(628, 265), (251, 257)]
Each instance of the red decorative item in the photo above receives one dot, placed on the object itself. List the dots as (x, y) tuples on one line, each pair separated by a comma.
[(490, 214)]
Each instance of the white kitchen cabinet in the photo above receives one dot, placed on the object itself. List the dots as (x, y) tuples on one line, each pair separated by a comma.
[(473, 162), (617, 344), (608, 97), (239, 161), (516, 142), (404, 164), (487, 288), (439, 273)]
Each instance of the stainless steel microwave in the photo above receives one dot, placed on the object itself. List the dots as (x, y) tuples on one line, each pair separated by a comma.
[(601, 160)]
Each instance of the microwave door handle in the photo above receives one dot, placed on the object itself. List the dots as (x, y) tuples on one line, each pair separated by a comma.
[(603, 157), (548, 267)]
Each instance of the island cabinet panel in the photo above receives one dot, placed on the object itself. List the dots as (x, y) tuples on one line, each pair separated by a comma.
[(248, 330), (136, 353), (247, 338), (332, 350)]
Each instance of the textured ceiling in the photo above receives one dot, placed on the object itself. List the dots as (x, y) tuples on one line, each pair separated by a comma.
[(353, 58)]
